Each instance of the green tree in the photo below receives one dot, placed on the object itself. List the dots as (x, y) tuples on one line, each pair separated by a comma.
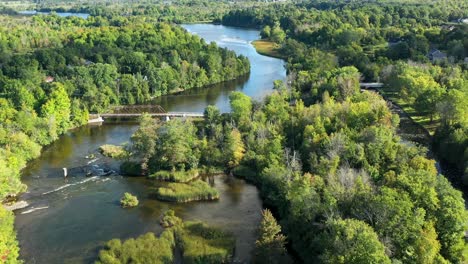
[(57, 107), (352, 241), (144, 139), (270, 246), (241, 106)]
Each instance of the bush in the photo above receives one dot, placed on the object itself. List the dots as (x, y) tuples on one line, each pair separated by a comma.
[(116, 152), (129, 200), (175, 176), (202, 244), (145, 249), (169, 219), (9, 250), (186, 192)]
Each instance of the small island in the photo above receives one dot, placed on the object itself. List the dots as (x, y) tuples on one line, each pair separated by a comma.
[(197, 242), (129, 200), (197, 190), (113, 151)]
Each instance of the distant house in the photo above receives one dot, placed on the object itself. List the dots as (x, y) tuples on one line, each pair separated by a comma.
[(437, 55), (49, 79), (448, 27)]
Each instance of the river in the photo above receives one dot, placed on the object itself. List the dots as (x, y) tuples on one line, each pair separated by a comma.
[(68, 221)]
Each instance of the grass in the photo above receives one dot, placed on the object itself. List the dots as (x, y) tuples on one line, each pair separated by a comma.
[(175, 176), (145, 249), (202, 244), (197, 242), (267, 48), (116, 152), (197, 190)]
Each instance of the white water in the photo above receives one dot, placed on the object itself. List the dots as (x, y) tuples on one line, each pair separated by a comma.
[(72, 184)]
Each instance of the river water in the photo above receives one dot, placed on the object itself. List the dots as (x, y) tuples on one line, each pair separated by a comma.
[(68, 221)]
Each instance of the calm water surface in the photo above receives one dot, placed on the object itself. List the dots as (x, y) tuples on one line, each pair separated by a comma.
[(258, 84), (68, 221)]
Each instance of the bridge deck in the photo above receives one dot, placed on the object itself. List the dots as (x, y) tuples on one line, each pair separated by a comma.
[(371, 85), (169, 114)]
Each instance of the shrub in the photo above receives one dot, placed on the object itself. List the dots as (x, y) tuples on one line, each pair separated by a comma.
[(129, 200), (145, 249), (186, 192), (175, 176), (202, 244), (169, 219), (9, 250)]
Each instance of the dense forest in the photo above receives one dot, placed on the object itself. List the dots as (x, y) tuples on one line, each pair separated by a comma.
[(417, 50), (325, 155)]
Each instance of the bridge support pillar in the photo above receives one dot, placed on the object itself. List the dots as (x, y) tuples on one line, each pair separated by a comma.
[(168, 118)]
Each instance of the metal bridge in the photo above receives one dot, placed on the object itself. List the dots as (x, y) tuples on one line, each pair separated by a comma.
[(372, 85), (128, 111)]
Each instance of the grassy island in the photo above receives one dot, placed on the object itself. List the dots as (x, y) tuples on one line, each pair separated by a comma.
[(145, 249), (187, 192), (113, 151), (200, 243), (175, 176)]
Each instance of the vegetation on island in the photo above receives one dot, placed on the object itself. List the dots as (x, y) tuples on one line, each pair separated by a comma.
[(175, 176), (197, 242), (200, 243), (129, 200), (169, 219), (145, 249), (196, 190), (112, 151)]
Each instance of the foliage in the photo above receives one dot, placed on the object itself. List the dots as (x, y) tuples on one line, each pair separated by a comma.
[(169, 219), (352, 241), (129, 200), (197, 190), (113, 151), (270, 246), (145, 249), (198, 243), (9, 249), (175, 176), (202, 244)]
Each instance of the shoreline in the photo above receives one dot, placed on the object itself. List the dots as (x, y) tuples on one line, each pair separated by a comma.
[(267, 48)]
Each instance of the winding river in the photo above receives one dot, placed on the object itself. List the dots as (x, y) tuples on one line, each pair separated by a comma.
[(69, 220)]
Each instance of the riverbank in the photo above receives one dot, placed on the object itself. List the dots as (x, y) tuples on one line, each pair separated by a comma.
[(267, 48)]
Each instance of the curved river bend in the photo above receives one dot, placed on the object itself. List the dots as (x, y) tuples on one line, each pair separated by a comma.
[(68, 221)]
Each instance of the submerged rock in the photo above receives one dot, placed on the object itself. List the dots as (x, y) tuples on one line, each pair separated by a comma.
[(17, 205)]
